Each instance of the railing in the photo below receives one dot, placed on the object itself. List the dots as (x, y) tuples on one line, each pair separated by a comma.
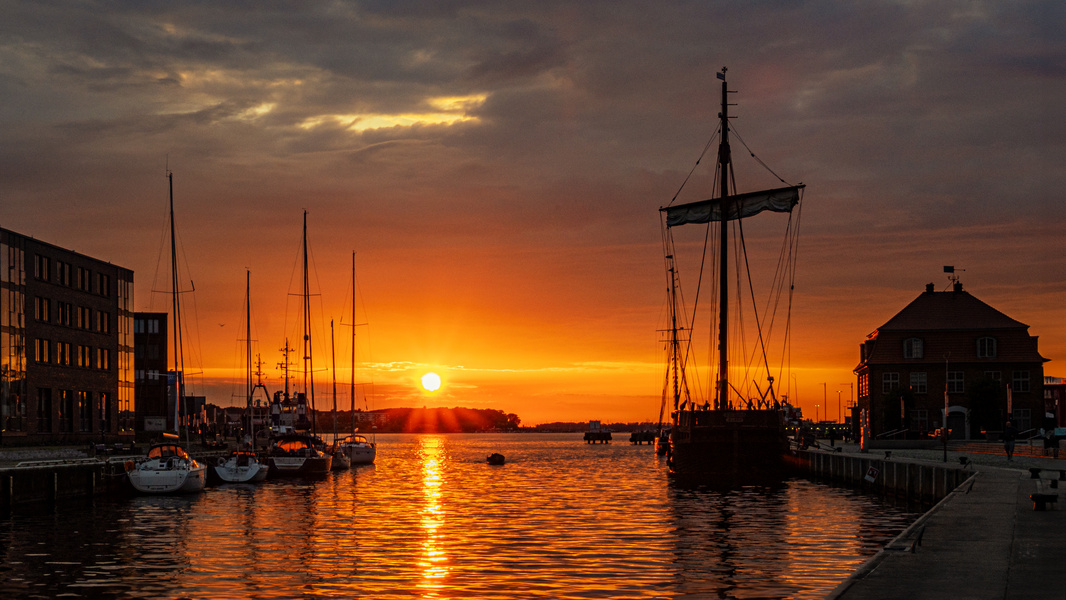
[(890, 434)]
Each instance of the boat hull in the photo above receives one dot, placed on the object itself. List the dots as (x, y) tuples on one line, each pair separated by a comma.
[(360, 454), (149, 478), (300, 466), (236, 470), (729, 447)]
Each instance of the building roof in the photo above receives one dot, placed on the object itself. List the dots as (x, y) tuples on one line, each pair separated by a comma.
[(947, 311)]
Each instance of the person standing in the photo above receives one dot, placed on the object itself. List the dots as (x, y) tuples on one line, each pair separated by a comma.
[(1009, 435)]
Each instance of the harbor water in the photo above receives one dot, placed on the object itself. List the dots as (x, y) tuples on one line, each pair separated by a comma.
[(431, 519)]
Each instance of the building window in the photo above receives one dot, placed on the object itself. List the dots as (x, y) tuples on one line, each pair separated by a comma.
[(42, 350), (85, 279), (986, 347), (1019, 381), (105, 411), (85, 412), (889, 382), (64, 309), (920, 419), (66, 411), (44, 410), (103, 321), (956, 384), (85, 356), (85, 317), (1022, 419), (153, 325), (919, 383), (864, 385), (41, 267), (63, 356), (103, 285), (913, 348), (63, 273), (42, 309), (103, 359)]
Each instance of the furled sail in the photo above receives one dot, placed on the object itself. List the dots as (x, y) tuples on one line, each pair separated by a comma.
[(740, 206)]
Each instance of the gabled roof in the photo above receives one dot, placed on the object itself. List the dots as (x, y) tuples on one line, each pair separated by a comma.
[(946, 311)]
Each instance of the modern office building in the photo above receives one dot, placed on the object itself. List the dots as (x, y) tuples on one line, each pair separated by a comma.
[(66, 345)]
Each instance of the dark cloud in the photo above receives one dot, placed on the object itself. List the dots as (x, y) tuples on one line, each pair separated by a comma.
[(922, 129)]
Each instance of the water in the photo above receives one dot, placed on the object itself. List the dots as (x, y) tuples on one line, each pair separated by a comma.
[(562, 519)]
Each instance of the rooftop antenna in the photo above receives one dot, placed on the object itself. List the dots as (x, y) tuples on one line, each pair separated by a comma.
[(952, 276)]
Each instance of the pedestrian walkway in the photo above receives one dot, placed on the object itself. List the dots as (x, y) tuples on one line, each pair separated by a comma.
[(983, 541)]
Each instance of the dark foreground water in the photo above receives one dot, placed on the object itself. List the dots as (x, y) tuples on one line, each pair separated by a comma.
[(431, 519)]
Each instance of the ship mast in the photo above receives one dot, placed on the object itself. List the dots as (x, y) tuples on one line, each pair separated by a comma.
[(721, 401)]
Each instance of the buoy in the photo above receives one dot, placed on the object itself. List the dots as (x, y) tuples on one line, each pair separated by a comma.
[(129, 465)]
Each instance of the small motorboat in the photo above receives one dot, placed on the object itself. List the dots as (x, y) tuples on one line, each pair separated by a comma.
[(495, 459)]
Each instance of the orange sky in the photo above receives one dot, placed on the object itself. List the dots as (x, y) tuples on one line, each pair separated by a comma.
[(498, 170)]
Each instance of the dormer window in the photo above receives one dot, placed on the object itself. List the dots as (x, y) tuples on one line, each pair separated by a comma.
[(913, 348), (986, 347)]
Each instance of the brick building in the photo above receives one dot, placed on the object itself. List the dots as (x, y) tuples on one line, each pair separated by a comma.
[(66, 345), (150, 372), (950, 343)]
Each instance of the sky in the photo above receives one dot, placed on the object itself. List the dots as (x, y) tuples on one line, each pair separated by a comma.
[(498, 168)]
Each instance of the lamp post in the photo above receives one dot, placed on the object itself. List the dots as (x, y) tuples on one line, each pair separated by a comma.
[(816, 407), (838, 407)]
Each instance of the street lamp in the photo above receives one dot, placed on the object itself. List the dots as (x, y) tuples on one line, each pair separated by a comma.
[(816, 407), (838, 407)]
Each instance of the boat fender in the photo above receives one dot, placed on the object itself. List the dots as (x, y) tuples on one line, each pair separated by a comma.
[(221, 461), (128, 465)]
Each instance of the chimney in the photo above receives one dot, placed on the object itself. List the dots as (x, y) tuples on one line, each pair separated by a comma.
[(957, 287), (929, 287)]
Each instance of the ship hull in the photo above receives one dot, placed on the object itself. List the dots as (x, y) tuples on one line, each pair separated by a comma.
[(729, 447)]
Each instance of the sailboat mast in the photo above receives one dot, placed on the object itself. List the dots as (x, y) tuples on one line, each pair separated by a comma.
[(179, 388), (353, 343), (722, 399), (309, 366), (248, 347), (333, 360), (675, 358)]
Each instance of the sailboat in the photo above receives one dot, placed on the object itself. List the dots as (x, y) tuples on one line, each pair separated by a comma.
[(167, 468), (341, 460), (299, 453), (244, 465), (360, 451), (736, 439)]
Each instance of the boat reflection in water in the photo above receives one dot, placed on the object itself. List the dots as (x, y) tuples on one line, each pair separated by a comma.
[(431, 519)]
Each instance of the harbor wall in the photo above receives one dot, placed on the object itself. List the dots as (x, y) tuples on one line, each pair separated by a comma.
[(48, 482), (924, 483)]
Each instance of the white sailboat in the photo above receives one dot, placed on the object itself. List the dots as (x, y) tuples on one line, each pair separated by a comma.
[(360, 451), (341, 460), (244, 465), (168, 468), (298, 453)]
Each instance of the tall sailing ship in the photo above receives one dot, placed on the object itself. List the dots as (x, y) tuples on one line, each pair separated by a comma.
[(734, 436)]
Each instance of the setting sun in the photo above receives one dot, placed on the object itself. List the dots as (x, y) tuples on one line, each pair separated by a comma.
[(431, 382)]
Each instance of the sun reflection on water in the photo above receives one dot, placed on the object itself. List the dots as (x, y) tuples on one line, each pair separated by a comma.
[(434, 560)]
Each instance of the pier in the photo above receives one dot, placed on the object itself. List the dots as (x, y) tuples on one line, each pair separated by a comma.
[(984, 539)]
